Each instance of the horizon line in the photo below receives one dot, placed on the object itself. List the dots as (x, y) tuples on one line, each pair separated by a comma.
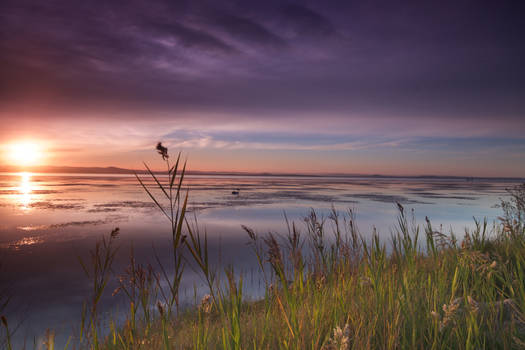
[(114, 170)]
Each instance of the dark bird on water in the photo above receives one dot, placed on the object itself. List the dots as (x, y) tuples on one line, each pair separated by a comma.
[(236, 191), (163, 151)]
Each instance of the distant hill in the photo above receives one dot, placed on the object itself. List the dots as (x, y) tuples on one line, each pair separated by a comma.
[(111, 170), (116, 170), (68, 169)]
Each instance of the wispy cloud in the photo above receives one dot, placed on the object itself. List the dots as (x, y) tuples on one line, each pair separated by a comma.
[(275, 141)]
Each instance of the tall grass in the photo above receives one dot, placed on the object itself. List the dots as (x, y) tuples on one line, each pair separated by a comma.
[(175, 211), (327, 286), (5, 332)]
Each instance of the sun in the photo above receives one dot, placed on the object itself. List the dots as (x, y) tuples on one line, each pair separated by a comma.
[(25, 153)]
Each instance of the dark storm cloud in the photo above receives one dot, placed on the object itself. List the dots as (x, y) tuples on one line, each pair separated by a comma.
[(420, 59), (306, 21), (249, 30), (188, 37)]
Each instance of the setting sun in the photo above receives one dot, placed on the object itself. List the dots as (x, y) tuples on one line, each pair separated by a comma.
[(24, 153)]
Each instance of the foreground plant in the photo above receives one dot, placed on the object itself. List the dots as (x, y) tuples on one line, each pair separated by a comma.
[(98, 270), (5, 333), (175, 211)]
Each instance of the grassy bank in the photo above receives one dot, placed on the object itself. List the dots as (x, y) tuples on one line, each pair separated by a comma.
[(326, 286), (354, 295)]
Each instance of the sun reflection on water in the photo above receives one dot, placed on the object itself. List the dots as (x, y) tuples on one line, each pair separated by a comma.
[(25, 190), (24, 242)]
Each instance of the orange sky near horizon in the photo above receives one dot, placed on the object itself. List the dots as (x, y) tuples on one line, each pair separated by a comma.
[(384, 160), (355, 145)]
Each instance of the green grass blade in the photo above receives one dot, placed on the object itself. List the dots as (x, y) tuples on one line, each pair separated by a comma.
[(174, 171), (152, 197), (157, 181)]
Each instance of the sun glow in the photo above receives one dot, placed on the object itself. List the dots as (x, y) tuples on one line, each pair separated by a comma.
[(25, 153), (25, 189)]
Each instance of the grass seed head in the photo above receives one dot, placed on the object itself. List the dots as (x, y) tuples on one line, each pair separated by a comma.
[(163, 151)]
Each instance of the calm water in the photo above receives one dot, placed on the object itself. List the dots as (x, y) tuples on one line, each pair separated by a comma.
[(48, 221)]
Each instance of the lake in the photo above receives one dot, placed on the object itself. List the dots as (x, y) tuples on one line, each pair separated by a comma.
[(48, 221)]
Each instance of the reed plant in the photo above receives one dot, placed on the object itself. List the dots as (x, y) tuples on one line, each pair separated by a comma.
[(98, 270), (174, 210), (5, 332)]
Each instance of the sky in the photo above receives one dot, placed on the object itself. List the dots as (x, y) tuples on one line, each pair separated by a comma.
[(357, 87)]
